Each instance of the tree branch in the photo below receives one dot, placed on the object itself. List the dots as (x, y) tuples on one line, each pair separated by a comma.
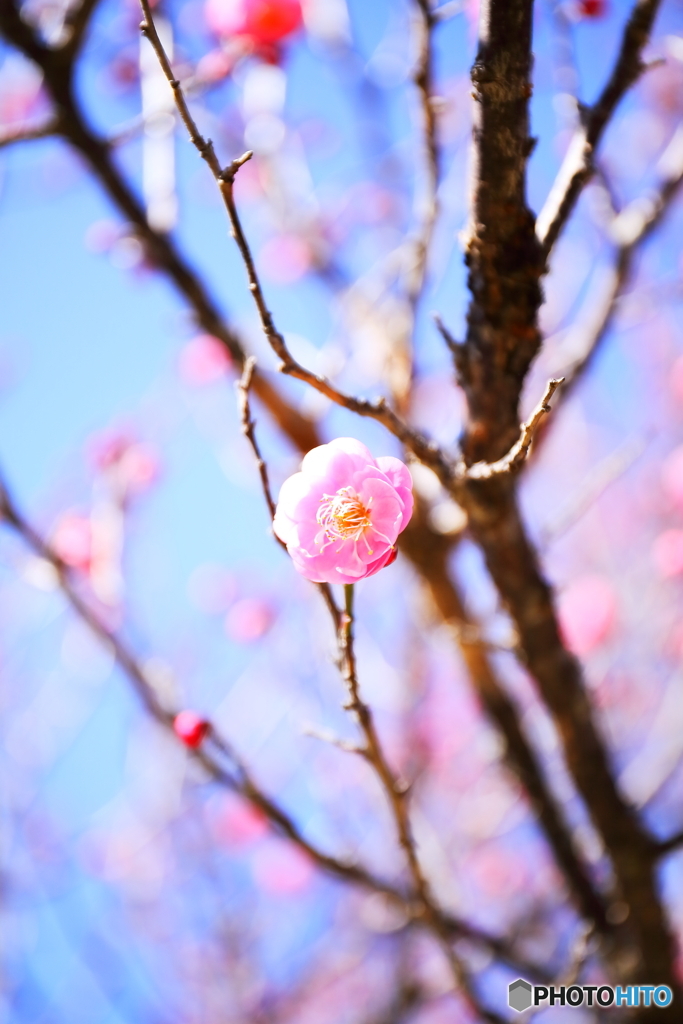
[(240, 779), (431, 558), (629, 229), (397, 796), (519, 451), (577, 166), (30, 133), (161, 248), (506, 261)]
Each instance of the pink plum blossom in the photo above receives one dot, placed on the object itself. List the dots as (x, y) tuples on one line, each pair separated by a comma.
[(340, 516)]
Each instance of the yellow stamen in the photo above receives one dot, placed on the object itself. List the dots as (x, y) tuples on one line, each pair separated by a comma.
[(343, 515)]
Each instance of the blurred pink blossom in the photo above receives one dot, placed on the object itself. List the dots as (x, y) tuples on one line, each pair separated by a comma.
[(676, 379), (102, 235), (667, 552), (234, 822), (261, 21), (280, 868), (340, 516), (72, 540), (214, 66), (285, 258), (132, 464), (586, 611), (203, 360), (672, 475), (249, 619), (21, 95)]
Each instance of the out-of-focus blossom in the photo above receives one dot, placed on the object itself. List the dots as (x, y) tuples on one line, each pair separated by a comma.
[(102, 235), (72, 540), (234, 822), (285, 258), (191, 728), (341, 515), (592, 8), (586, 611), (672, 475), (132, 464), (667, 552), (249, 619), (262, 22), (21, 95), (213, 66), (279, 868), (203, 360)]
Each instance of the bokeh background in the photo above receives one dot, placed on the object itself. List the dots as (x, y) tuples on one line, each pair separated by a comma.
[(133, 889)]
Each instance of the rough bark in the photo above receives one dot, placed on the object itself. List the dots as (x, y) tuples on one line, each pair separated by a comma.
[(506, 263)]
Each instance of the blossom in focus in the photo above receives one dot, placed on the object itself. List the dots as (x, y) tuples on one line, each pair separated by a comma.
[(341, 515), (261, 21)]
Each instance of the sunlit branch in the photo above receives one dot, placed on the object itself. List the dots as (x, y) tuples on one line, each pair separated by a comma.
[(396, 791), (161, 249), (577, 167), (237, 776), (519, 451), (629, 229)]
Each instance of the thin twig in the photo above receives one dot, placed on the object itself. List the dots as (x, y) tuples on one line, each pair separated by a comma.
[(425, 450), (371, 749), (629, 229), (249, 431), (396, 792), (239, 778), (519, 451), (577, 167), (160, 248)]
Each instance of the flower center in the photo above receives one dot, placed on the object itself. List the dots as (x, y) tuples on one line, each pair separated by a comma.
[(343, 515)]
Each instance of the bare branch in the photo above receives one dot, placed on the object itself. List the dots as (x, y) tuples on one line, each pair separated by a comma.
[(76, 25), (519, 451), (160, 248), (239, 778), (432, 561), (396, 793), (670, 845), (249, 431), (30, 133), (577, 167), (629, 229)]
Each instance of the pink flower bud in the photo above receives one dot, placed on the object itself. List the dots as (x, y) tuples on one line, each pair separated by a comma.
[(191, 728), (341, 515), (263, 21)]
